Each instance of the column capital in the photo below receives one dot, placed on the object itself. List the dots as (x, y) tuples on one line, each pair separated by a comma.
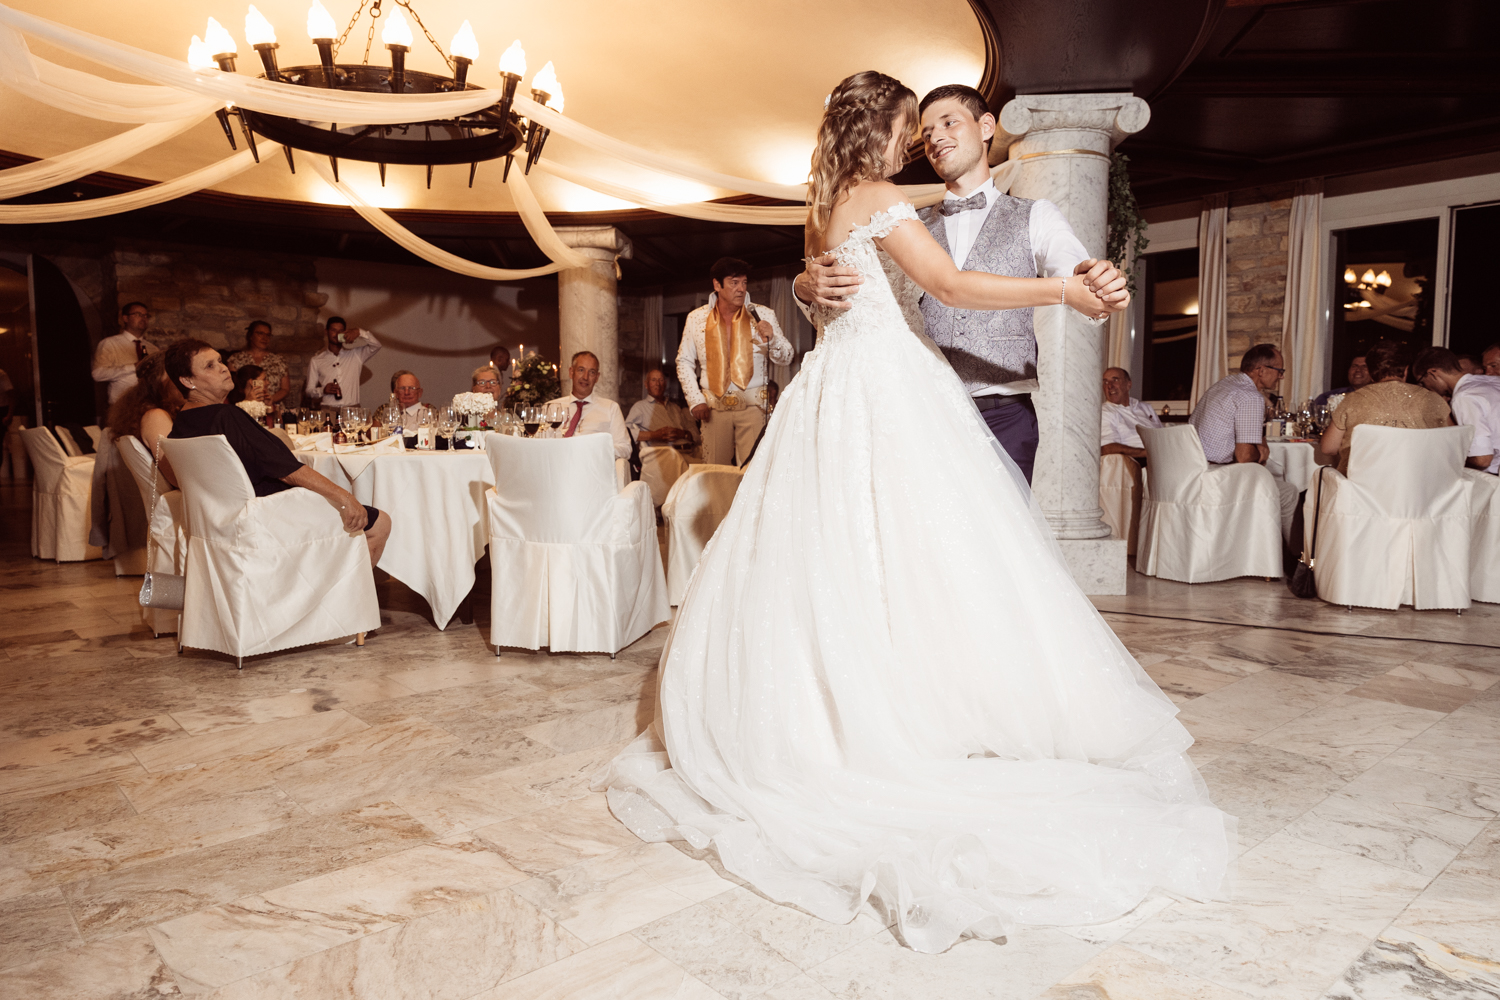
[(608, 239), (1098, 120)]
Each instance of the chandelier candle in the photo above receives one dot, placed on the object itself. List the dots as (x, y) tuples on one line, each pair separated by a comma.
[(262, 38), (465, 49), (321, 29), (397, 38)]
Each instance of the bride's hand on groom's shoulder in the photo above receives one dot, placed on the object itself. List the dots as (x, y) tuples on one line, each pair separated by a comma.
[(1106, 281), (828, 284)]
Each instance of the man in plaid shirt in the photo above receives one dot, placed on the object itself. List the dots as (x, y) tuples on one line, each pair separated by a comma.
[(1231, 420)]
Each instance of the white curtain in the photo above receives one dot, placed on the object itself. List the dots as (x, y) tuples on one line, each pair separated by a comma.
[(653, 349), (1212, 361), (792, 322), (1301, 322)]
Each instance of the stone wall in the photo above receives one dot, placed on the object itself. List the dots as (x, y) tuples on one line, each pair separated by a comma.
[(213, 295), (1256, 251), (632, 345)]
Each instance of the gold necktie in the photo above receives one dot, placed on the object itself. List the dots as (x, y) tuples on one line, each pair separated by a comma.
[(737, 365)]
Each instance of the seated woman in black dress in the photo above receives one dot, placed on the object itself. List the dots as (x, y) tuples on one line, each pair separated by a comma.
[(194, 367)]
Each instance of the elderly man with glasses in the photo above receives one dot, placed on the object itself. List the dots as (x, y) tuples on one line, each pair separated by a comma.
[(115, 358), (1231, 419)]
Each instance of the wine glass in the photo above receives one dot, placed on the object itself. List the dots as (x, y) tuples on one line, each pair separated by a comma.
[(531, 419), (447, 425), (557, 410)]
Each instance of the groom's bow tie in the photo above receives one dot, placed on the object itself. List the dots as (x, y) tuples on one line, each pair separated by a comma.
[(952, 206)]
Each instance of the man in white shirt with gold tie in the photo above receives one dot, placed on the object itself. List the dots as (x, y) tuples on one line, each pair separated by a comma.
[(589, 413)]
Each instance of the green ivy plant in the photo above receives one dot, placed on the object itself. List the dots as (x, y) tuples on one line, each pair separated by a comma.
[(1127, 230), (536, 382)]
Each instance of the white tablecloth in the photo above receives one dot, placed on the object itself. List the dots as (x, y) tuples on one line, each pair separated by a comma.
[(436, 501), (1292, 461)]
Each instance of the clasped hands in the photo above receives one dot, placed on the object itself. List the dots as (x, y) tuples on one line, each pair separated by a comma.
[(832, 285)]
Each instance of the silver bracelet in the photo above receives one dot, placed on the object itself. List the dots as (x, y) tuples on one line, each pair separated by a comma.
[(1063, 298)]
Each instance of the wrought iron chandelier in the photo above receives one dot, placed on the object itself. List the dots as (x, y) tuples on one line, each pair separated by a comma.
[(486, 134)]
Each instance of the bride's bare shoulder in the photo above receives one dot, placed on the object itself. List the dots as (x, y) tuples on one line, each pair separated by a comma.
[(869, 197)]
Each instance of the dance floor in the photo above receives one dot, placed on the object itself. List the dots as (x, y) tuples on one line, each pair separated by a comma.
[(413, 819)]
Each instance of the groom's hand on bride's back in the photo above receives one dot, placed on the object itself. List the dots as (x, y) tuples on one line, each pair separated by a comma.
[(1106, 281), (828, 285)]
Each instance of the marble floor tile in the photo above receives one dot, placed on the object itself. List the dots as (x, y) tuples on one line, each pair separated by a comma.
[(469, 796), (1400, 965), (1464, 745), (558, 836), (590, 729), (561, 778), (437, 676), (610, 895), (89, 805), (1351, 734), (1298, 915), (313, 698), (1265, 788), (67, 774), (226, 943), (34, 925), (1121, 973), (801, 987), (121, 968), (160, 890), (1415, 692), (246, 739), (96, 741), (1459, 908), (717, 952), (881, 968), (623, 968), (459, 952), (1404, 818), (1111, 931), (1259, 703), (1184, 678), (1439, 673), (800, 938)]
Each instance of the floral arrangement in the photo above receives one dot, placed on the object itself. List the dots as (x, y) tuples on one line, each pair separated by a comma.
[(473, 403), (536, 381), (255, 408)]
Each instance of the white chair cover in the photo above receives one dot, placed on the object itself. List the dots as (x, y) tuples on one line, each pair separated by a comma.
[(69, 444), (59, 499), (574, 560), (695, 505), (95, 432), (661, 467), (264, 573), (1202, 523), (1484, 547), (1396, 530), (167, 549), (1119, 497)]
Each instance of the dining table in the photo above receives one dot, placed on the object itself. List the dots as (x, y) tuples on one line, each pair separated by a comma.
[(436, 502), (1293, 460)]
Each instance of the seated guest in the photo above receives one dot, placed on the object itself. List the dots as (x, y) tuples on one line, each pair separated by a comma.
[(1469, 365), (249, 384), (1387, 402), (1491, 359), (1359, 377), (195, 369), (487, 380), (408, 391), (258, 352), (588, 413), (655, 419), (146, 410), (1122, 416), (773, 394), (500, 361), (1231, 419), (1475, 400)]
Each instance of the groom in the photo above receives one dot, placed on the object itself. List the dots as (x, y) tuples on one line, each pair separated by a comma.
[(994, 353)]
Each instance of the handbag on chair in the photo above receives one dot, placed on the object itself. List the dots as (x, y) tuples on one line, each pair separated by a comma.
[(1302, 582), (160, 591)]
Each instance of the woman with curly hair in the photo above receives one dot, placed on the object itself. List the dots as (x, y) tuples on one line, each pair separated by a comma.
[(883, 688), (147, 409)]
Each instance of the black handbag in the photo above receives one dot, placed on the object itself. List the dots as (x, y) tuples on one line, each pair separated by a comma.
[(1302, 582)]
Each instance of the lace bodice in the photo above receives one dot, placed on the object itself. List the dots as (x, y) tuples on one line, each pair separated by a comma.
[(888, 298)]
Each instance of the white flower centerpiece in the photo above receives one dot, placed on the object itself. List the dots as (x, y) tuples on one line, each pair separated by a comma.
[(255, 408), (474, 406)]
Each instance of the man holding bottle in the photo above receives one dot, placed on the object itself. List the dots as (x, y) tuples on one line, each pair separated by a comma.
[(333, 374)]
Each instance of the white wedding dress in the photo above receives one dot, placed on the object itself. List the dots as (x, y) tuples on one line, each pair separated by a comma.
[(884, 686)]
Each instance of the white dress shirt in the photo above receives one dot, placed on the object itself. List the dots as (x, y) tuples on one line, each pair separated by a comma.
[(693, 347), (411, 414), (1056, 249), (1476, 404), (115, 359), (600, 416), (1122, 424), (345, 368), (649, 415)]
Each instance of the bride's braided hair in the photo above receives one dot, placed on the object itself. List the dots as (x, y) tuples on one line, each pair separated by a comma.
[(852, 138)]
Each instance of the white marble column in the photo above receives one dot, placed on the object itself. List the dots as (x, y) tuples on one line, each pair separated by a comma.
[(1064, 143), (588, 313)]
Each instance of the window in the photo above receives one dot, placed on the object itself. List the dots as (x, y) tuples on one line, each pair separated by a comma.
[(1382, 289), (1171, 310), (1472, 325)]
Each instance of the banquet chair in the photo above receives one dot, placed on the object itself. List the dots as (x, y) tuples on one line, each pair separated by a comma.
[(167, 548), (574, 558), (1396, 529), (264, 573), (694, 507), (60, 488), (66, 439), (95, 432), (661, 467), (1120, 497), (1201, 523), (1484, 547)]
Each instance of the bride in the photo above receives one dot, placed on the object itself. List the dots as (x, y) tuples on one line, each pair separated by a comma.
[(883, 687)]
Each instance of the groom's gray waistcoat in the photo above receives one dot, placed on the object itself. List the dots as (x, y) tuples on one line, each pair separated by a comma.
[(988, 348)]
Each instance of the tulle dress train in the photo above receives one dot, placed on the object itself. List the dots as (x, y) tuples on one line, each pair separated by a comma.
[(883, 687)]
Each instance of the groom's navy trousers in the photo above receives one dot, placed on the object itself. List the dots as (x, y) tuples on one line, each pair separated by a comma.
[(1014, 426)]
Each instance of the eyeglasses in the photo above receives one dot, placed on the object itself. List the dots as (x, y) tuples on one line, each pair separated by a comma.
[(1278, 371), (488, 381)]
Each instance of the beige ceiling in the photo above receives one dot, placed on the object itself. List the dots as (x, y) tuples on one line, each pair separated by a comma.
[(736, 88)]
